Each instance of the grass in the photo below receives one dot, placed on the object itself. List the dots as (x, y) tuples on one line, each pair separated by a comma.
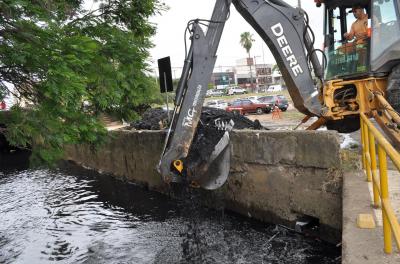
[(293, 114), (351, 160)]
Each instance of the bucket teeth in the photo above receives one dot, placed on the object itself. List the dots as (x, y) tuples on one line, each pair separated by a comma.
[(224, 125)]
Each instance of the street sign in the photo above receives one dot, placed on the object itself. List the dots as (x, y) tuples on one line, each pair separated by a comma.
[(165, 73)]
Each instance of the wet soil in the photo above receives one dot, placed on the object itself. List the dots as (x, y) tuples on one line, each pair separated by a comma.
[(209, 131), (157, 118), (152, 119)]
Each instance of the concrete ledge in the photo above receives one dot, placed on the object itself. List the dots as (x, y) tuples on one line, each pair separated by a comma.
[(129, 155), (319, 149), (274, 176)]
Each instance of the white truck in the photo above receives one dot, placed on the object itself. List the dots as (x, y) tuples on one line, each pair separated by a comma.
[(236, 90), (275, 88)]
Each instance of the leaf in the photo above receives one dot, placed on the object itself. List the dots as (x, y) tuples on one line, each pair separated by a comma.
[(58, 55)]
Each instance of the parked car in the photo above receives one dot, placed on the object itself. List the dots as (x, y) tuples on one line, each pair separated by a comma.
[(275, 88), (254, 99), (215, 92), (245, 106), (220, 104), (278, 100), (236, 90)]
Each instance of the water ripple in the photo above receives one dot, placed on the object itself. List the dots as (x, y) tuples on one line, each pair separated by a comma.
[(67, 217)]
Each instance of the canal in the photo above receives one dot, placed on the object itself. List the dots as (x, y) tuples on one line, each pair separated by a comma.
[(77, 216)]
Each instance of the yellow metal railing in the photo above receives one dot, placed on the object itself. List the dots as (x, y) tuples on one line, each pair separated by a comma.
[(372, 140)]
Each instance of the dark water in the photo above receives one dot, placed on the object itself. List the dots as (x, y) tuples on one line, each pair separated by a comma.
[(68, 217)]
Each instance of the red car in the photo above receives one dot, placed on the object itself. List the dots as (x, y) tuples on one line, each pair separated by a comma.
[(245, 106)]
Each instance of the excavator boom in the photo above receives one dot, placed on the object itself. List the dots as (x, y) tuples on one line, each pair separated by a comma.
[(284, 29)]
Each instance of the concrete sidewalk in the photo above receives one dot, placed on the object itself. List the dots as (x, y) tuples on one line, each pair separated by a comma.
[(364, 245)]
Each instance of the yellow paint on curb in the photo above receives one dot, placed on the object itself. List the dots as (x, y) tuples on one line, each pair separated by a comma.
[(365, 221)]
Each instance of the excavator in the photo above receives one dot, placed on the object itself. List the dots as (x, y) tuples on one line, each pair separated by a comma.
[(353, 77)]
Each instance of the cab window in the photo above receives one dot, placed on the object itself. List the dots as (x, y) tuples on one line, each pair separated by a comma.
[(344, 57), (385, 26)]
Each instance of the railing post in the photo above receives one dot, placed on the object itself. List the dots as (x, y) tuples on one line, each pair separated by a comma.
[(367, 153), (372, 152), (362, 143), (387, 232)]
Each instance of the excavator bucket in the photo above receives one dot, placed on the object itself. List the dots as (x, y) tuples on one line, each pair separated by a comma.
[(213, 173), (218, 171)]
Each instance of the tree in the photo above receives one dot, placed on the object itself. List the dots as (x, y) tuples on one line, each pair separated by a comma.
[(246, 40), (68, 65)]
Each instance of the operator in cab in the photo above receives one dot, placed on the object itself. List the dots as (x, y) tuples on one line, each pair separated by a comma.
[(358, 35), (359, 28)]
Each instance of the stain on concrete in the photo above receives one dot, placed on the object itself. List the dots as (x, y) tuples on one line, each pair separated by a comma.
[(274, 176)]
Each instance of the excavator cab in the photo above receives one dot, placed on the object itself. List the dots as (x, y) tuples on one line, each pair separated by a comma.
[(372, 53), (360, 69), (345, 57)]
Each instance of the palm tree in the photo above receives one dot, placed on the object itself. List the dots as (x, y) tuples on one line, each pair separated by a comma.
[(246, 40)]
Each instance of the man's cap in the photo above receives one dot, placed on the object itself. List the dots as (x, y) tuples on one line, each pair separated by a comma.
[(357, 6)]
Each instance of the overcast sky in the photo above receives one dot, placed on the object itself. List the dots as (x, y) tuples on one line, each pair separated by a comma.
[(171, 25)]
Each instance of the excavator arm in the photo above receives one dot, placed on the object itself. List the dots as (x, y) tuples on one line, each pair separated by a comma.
[(284, 29), (190, 95)]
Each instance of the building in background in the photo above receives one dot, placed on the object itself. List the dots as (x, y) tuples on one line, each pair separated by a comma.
[(245, 77), (264, 75), (222, 80), (277, 78), (261, 76)]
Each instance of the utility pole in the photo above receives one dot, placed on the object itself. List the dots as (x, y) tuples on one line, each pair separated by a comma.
[(255, 67), (299, 3), (262, 48), (250, 62), (155, 75)]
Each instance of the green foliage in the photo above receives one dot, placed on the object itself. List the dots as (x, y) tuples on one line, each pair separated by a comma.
[(68, 65), (175, 83), (246, 40)]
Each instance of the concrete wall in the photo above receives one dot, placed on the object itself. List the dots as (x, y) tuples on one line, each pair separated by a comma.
[(275, 176)]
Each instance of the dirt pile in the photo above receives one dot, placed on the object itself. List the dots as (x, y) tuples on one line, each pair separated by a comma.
[(157, 119), (208, 134), (209, 115), (152, 119), (208, 131)]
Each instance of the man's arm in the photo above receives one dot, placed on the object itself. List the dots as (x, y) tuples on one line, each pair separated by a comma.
[(350, 35)]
